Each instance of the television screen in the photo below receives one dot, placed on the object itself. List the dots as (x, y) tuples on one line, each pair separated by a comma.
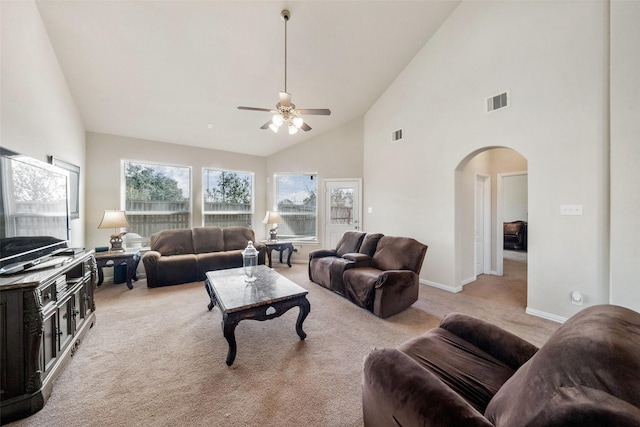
[(34, 198)]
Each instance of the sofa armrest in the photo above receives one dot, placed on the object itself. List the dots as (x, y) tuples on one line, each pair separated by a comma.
[(501, 344), (321, 253), (397, 391), (359, 260), (150, 262)]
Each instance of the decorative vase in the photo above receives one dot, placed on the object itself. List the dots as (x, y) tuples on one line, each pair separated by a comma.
[(250, 262)]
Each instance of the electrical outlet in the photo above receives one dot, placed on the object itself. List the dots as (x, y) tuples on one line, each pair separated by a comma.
[(576, 298)]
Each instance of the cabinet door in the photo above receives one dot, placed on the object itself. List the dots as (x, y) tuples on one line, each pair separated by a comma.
[(66, 325), (79, 313), (49, 348)]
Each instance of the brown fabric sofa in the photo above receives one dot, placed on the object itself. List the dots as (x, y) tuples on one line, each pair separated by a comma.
[(185, 255), (381, 274), (468, 372)]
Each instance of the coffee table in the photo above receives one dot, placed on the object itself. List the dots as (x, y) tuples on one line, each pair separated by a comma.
[(269, 296)]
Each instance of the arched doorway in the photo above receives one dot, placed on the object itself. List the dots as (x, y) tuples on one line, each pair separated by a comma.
[(483, 185)]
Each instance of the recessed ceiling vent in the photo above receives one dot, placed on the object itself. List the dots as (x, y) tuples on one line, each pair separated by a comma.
[(396, 135), (497, 102)]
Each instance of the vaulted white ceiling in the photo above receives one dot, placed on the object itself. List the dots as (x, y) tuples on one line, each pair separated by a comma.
[(165, 70)]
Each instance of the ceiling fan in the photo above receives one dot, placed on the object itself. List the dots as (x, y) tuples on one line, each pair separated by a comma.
[(285, 111)]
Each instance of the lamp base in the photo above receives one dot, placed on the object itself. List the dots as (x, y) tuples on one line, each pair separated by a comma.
[(273, 234), (116, 242)]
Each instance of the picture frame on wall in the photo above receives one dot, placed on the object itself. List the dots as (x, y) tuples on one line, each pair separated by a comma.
[(74, 184)]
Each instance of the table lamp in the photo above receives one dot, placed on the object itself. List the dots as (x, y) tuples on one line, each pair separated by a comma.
[(115, 220), (272, 217)]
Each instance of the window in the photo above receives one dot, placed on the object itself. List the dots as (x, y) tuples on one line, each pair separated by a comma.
[(296, 199), (228, 198), (157, 197)]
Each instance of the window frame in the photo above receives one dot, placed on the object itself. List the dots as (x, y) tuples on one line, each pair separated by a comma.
[(133, 213), (206, 213), (300, 239)]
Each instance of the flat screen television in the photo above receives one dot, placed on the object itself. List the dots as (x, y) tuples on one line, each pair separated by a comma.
[(34, 203)]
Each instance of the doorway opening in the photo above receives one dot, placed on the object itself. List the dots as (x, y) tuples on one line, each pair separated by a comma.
[(491, 190)]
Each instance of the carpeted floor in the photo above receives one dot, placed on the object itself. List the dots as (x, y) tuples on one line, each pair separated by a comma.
[(156, 357)]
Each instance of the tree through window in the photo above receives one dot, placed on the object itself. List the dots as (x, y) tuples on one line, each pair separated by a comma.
[(228, 198), (157, 197)]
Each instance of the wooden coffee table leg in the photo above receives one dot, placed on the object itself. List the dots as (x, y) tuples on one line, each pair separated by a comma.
[(228, 330), (305, 308)]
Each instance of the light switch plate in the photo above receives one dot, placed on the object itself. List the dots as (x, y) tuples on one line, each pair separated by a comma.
[(570, 209)]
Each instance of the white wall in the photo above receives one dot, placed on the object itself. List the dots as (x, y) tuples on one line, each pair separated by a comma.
[(105, 154), (39, 116), (625, 153), (553, 57)]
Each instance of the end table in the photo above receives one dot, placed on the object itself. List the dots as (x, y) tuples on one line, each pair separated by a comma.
[(131, 258), (276, 245)]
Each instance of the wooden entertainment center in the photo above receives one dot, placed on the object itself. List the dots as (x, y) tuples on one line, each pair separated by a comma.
[(44, 314)]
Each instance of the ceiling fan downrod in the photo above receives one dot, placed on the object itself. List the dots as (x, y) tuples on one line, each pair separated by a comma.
[(285, 17)]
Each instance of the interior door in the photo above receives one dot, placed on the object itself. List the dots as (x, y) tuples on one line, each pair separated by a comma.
[(342, 209)]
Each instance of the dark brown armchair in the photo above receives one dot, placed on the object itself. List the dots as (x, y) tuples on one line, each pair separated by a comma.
[(515, 235), (469, 372)]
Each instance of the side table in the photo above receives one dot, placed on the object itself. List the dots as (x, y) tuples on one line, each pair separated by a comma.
[(131, 258), (275, 245)]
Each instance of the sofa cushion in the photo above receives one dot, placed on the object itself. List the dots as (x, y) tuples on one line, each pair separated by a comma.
[(398, 253), (370, 243), (350, 242), (171, 270), (237, 237), (588, 373), (471, 372), (172, 242), (207, 239)]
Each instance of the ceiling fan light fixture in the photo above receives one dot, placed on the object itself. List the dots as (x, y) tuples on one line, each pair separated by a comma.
[(298, 122), (292, 129), (273, 127), (277, 120)]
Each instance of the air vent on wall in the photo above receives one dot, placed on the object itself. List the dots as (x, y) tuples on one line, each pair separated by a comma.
[(396, 135), (498, 101)]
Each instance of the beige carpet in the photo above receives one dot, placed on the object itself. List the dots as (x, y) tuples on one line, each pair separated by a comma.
[(156, 357)]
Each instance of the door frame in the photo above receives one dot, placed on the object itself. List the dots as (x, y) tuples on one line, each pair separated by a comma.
[(327, 202), (500, 217), (486, 223)]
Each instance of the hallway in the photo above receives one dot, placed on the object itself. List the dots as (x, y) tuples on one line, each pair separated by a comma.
[(510, 288)]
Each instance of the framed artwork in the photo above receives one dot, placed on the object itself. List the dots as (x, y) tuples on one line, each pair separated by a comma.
[(74, 184)]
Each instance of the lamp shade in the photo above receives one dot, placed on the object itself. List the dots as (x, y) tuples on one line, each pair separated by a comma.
[(114, 219), (272, 217)]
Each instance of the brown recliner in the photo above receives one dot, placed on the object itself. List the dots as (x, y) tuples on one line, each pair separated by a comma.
[(326, 266), (387, 282), (469, 372)]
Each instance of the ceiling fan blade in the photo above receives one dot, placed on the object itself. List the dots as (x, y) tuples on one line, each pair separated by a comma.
[(285, 99), (266, 125), (305, 127), (315, 111), (270, 110)]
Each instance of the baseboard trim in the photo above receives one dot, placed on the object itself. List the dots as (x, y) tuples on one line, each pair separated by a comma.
[(441, 286), (469, 280), (545, 315)]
